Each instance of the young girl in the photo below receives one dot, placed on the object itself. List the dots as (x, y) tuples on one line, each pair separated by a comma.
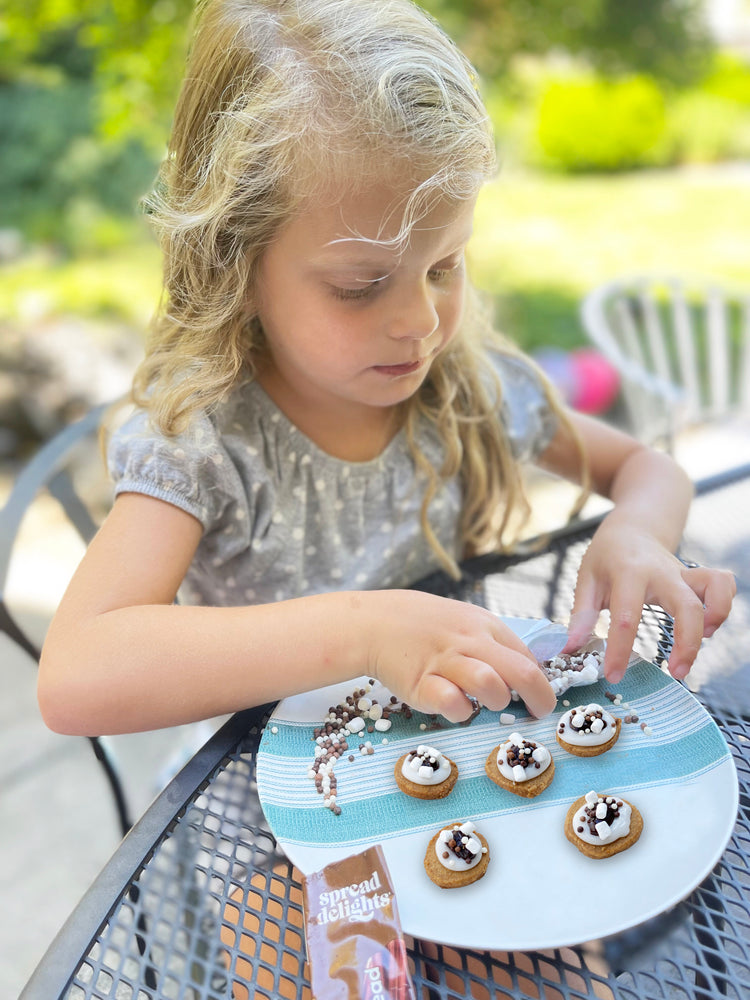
[(325, 415)]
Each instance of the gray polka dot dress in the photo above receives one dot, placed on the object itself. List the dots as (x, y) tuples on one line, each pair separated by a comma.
[(283, 519)]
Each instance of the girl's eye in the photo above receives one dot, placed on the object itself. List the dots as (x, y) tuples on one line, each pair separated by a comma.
[(349, 294), (438, 274)]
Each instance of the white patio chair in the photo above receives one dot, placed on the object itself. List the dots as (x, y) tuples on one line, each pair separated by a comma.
[(682, 350)]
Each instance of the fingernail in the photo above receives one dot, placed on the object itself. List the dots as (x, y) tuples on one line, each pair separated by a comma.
[(615, 676), (681, 671)]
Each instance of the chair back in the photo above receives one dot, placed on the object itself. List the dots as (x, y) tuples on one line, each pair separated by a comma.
[(50, 470), (682, 350)]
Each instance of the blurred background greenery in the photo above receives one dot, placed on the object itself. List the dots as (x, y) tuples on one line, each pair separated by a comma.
[(624, 131)]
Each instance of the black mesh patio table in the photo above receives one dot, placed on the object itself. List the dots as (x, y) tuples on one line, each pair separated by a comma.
[(155, 922)]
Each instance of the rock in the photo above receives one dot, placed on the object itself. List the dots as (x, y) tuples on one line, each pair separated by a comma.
[(54, 371)]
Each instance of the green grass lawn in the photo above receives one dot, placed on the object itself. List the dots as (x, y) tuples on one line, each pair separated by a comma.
[(540, 243)]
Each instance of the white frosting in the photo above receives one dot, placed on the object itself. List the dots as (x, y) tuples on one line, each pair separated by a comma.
[(573, 670), (418, 770), (448, 859), (593, 733), (539, 754), (605, 833)]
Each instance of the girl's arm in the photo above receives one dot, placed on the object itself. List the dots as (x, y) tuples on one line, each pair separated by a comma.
[(121, 657), (630, 561)]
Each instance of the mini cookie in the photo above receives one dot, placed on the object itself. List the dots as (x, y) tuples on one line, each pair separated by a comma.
[(602, 825), (588, 731), (425, 773), (457, 855), (521, 766)]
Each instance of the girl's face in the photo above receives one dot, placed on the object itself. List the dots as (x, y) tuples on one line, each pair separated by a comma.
[(352, 324)]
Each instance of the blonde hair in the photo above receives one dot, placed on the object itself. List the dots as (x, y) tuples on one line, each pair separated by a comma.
[(283, 100)]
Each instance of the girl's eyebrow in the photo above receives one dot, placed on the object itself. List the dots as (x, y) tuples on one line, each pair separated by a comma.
[(382, 250)]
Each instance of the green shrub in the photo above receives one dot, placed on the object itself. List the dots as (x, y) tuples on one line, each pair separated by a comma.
[(59, 181), (589, 123), (705, 128), (729, 79), (711, 123)]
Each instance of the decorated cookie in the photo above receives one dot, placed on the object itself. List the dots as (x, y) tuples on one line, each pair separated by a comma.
[(588, 731), (602, 825), (425, 773), (567, 670), (457, 855), (521, 766)]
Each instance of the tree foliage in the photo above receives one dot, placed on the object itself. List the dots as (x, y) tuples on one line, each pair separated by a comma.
[(137, 47), (87, 87), (667, 39)]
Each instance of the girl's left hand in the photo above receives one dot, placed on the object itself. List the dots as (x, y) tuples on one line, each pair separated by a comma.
[(622, 570)]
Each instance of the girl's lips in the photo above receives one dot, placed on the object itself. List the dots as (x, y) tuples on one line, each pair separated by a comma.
[(395, 370)]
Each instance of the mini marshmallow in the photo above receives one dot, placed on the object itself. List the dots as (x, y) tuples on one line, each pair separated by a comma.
[(473, 845), (603, 831), (467, 828), (425, 771), (597, 725), (507, 718), (591, 798), (578, 720), (601, 810), (376, 712), (539, 755), (519, 773), (383, 725), (355, 725), (364, 704)]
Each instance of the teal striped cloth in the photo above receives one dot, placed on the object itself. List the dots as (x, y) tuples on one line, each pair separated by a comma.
[(683, 742)]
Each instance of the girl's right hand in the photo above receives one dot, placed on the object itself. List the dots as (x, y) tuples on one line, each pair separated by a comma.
[(433, 651)]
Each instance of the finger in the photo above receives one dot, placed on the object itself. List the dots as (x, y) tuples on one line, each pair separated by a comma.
[(504, 636), (688, 614), (523, 675), (486, 684), (437, 695), (717, 600), (717, 590), (584, 614), (580, 628), (625, 610)]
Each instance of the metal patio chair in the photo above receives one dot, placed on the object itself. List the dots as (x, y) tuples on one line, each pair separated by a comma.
[(50, 469), (682, 349)]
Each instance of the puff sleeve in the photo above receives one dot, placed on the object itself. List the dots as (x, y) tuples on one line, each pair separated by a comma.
[(192, 471)]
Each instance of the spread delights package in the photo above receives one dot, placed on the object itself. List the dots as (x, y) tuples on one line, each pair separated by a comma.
[(355, 948)]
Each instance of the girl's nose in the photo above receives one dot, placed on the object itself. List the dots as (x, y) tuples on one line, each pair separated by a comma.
[(415, 315)]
